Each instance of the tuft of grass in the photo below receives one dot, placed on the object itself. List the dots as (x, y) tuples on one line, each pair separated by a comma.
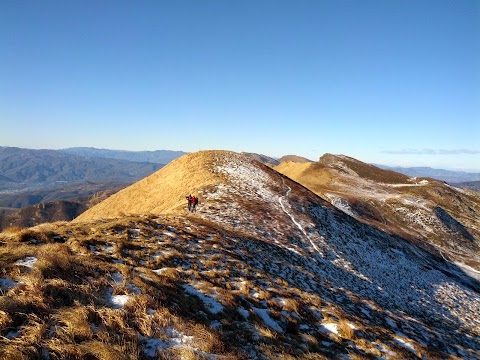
[(266, 332), (345, 330), (292, 305), (35, 236), (33, 331), (170, 274), (12, 230), (368, 347), (73, 324), (53, 258), (5, 319), (309, 338), (206, 340), (184, 353), (127, 349)]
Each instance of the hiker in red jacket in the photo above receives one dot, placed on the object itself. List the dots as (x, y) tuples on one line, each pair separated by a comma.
[(194, 203)]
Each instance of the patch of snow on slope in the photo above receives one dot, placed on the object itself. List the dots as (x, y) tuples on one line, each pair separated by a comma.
[(329, 327), (117, 278), (243, 312), (7, 284), (396, 275), (162, 270), (405, 344), (469, 270), (248, 178), (419, 217), (211, 304), (119, 301), (416, 202), (341, 204), (29, 262), (390, 322), (151, 346), (421, 183), (264, 314), (280, 200), (108, 248), (460, 190)]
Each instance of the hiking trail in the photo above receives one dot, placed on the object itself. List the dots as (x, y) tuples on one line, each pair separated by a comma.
[(280, 200)]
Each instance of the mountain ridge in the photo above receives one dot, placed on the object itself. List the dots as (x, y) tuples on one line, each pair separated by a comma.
[(424, 210)]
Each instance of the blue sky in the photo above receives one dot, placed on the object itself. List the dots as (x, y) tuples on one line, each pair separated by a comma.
[(392, 82)]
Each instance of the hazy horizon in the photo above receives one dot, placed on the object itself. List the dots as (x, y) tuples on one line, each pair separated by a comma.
[(269, 155)]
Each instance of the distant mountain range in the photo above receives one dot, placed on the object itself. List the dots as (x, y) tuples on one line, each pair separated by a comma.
[(29, 177), (23, 168), (473, 185), (158, 156), (449, 176)]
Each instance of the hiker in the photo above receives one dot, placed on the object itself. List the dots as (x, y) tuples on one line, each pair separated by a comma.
[(194, 203), (189, 199)]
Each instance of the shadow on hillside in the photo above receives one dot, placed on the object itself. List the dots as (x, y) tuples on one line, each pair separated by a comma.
[(452, 224), (341, 286), (433, 257), (268, 262), (401, 275)]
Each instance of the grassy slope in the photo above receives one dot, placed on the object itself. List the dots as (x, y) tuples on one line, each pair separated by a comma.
[(166, 267)]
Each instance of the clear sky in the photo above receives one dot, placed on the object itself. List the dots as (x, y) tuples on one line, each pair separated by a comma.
[(395, 82)]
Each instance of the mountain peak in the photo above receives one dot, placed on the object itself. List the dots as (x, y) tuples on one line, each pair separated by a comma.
[(357, 168), (294, 158)]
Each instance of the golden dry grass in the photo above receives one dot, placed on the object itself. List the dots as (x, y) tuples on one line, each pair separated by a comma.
[(73, 323), (345, 330), (314, 176), (266, 332), (12, 230)]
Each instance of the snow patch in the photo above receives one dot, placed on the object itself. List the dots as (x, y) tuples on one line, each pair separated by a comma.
[(470, 271), (405, 344), (7, 284), (29, 262), (264, 314), (243, 312), (341, 204), (390, 322), (210, 303), (175, 339), (119, 301), (329, 327)]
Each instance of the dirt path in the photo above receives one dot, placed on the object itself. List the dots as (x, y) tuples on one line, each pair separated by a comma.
[(280, 200)]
